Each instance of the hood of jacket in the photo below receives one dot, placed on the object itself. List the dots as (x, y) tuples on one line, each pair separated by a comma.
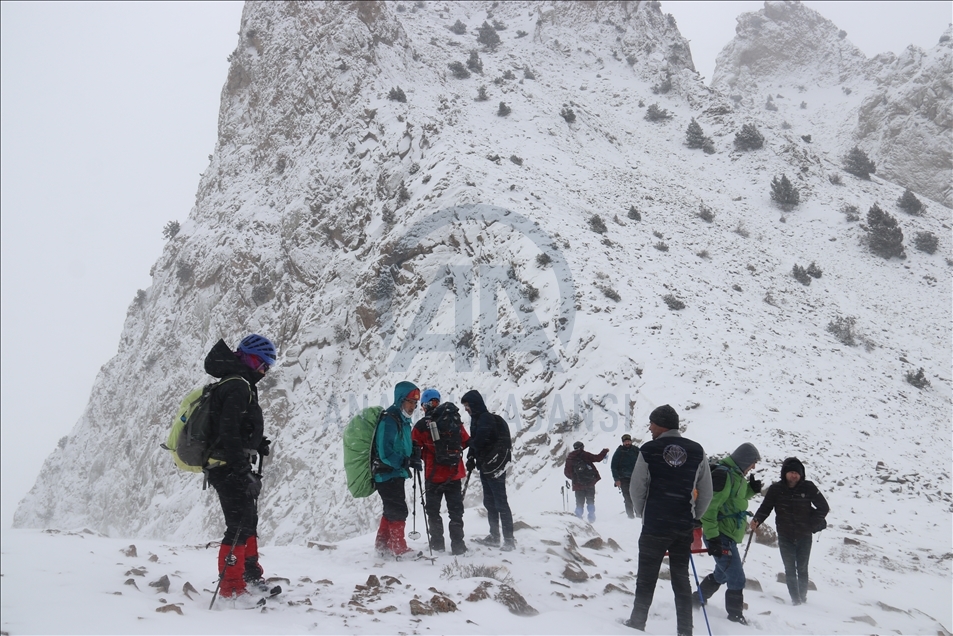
[(402, 390), (792, 463), (221, 361), (475, 400)]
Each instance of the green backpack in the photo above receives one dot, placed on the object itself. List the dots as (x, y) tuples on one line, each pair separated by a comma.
[(190, 439), (358, 448)]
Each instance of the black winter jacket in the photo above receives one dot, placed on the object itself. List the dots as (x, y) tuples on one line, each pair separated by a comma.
[(237, 420), (490, 441), (800, 511), (623, 462)]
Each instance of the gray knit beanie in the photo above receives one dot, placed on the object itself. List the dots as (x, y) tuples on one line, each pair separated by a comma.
[(664, 416), (746, 455)]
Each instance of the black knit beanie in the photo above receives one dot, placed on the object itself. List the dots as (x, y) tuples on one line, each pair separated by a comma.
[(664, 416)]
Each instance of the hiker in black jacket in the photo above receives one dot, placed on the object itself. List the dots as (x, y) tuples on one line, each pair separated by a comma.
[(238, 426), (801, 510), (623, 463), (490, 446), (581, 469)]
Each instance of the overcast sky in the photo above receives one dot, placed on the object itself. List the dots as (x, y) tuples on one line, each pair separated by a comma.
[(109, 113)]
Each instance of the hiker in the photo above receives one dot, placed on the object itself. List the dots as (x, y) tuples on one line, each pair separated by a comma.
[(440, 447), (238, 427), (490, 446), (724, 527), (623, 462), (392, 459), (801, 510), (668, 473), (581, 470)]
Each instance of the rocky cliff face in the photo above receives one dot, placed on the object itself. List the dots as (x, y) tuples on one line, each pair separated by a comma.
[(395, 197), (787, 58)]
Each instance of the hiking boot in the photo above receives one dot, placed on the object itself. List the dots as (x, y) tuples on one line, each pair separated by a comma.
[(438, 545), (738, 618), (628, 623), (490, 540), (458, 548), (735, 604), (508, 545)]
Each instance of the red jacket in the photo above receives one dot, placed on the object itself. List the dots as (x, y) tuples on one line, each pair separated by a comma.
[(434, 472), (583, 456)]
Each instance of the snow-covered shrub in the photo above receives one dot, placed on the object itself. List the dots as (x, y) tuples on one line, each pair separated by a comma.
[(784, 193), (859, 164), (543, 259), (835, 179), (488, 36), (661, 246), (474, 63), (665, 85), (741, 230), (530, 292), (521, 34), (813, 270), (703, 254), (499, 26), (140, 297), (596, 224), (749, 138), (654, 113), (634, 214), (458, 27), (673, 303), (800, 275), (770, 105), (509, 75), (844, 329), (528, 74), (926, 242), (459, 70), (568, 114), (481, 94), (851, 212), (918, 379), (806, 138), (397, 95), (503, 110), (610, 293), (705, 213), (910, 204), (884, 236)]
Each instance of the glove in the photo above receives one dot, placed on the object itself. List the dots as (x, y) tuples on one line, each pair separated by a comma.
[(715, 548), (264, 449), (416, 464), (471, 464), (754, 483), (252, 485)]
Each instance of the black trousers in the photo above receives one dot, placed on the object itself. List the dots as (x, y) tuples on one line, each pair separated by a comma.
[(627, 496), (240, 509), (452, 491), (652, 548), (392, 496), (497, 506)]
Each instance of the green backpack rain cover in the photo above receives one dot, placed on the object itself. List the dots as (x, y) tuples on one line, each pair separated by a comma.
[(358, 442), (191, 433)]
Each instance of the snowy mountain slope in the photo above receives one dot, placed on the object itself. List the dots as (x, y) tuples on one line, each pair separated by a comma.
[(301, 231), (788, 65)]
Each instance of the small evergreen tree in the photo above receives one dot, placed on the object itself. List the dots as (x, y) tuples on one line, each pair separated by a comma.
[(884, 236), (170, 230), (926, 242), (694, 135), (634, 214), (859, 164), (654, 113), (813, 270), (801, 275), (910, 204), (504, 110), (488, 36), (708, 146), (397, 95), (475, 64), (568, 114), (784, 193), (459, 70), (459, 28), (749, 138), (481, 94), (596, 224)]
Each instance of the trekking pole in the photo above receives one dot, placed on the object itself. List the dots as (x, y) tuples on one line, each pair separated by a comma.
[(700, 596), (426, 521), (747, 547), (229, 560), (413, 534), (465, 484)]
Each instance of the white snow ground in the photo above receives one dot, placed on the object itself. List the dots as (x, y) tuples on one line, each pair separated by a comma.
[(83, 583)]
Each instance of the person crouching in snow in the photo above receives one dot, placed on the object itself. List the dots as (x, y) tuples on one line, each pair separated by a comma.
[(581, 470), (391, 461)]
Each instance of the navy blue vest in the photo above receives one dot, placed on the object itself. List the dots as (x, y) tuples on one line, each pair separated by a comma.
[(672, 463)]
